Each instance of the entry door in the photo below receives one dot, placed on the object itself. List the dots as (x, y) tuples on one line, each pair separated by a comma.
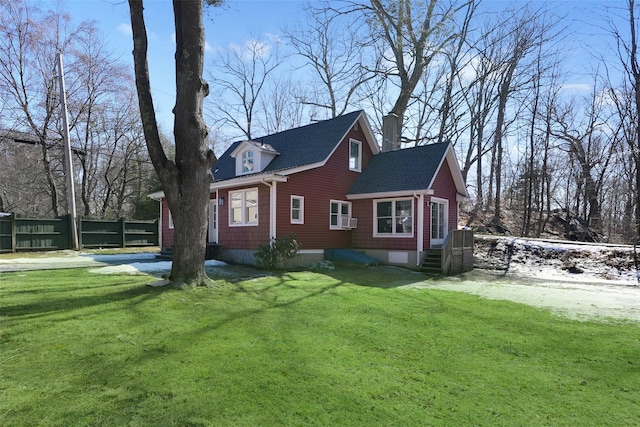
[(213, 221), (439, 214)]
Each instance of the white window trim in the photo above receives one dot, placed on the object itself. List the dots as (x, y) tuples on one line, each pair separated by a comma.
[(244, 222), (171, 225), (393, 210), (358, 167), (338, 226), (301, 219)]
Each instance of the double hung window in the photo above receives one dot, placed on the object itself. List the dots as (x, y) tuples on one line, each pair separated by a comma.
[(394, 218), (338, 210), (243, 207), (297, 210)]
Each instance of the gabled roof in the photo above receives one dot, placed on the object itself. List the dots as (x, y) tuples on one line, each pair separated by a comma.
[(299, 147), (256, 145), (406, 170)]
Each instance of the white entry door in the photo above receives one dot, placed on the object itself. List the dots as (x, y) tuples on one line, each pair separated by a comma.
[(439, 226), (213, 221)]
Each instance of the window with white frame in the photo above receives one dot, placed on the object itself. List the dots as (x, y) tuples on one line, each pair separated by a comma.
[(297, 210), (355, 155), (243, 207), (338, 210), (247, 162), (394, 218)]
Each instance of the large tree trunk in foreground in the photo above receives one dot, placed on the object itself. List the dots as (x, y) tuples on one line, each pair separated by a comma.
[(186, 181)]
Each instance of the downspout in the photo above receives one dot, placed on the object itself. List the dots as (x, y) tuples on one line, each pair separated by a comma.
[(160, 227), (272, 207), (420, 230), (217, 236)]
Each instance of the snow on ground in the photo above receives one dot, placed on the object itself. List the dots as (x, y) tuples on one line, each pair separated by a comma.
[(135, 263), (146, 267), (120, 257), (579, 281), (558, 260), (572, 299)]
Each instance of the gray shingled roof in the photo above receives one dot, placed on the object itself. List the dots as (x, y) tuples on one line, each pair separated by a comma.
[(401, 170), (297, 147)]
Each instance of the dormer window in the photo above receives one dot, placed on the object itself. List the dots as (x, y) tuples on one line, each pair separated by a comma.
[(247, 162), (252, 157)]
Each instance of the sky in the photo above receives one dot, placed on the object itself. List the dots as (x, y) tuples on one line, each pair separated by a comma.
[(233, 23), (240, 20)]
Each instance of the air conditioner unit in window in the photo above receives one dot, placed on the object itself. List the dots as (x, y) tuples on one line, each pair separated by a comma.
[(349, 223)]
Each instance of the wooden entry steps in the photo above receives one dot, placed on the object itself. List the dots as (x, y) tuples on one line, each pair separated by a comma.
[(432, 261)]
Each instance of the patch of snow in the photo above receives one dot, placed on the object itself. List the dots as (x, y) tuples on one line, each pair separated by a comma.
[(579, 281), (146, 267), (120, 257), (558, 260), (574, 300)]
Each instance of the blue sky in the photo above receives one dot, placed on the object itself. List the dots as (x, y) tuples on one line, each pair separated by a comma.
[(241, 20)]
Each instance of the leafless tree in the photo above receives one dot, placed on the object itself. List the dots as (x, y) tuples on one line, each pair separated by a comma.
[(279, 107), (521, 35), (29, 41), (590, 145), (329, 43), (627, 96), (100, 102), (239, 77), (405, 37)]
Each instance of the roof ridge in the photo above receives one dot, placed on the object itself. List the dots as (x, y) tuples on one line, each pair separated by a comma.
[(308, 125)]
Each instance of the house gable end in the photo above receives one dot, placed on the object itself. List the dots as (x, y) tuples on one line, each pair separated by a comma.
[(454, 168)]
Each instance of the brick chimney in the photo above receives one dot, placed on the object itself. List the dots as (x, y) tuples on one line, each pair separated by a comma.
[(390, 132)]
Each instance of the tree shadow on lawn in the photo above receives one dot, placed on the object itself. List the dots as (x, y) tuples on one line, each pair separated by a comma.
[(44, 306), (383, 276)]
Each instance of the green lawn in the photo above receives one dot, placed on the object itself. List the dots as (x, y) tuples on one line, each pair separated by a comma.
[(333, 348)]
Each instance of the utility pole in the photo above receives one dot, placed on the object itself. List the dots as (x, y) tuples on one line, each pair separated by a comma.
[(71, 192)]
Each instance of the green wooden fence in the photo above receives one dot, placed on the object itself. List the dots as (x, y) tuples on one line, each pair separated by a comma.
[(30, 234)]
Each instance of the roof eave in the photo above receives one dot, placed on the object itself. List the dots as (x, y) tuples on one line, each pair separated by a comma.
[(158, 195), (247, 180), (390, 194)]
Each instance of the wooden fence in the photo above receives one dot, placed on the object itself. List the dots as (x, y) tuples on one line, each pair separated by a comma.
[(30, 234)]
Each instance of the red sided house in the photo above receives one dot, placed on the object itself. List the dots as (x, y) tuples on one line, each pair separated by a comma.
[(330, 185)]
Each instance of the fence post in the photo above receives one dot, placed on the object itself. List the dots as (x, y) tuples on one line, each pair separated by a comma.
[(80, 232), (13, 233), (123, 233)]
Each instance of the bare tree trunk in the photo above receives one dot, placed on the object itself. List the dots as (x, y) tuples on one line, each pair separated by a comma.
[(635, 80), (530, 168), (503, 96), (185, 182)]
